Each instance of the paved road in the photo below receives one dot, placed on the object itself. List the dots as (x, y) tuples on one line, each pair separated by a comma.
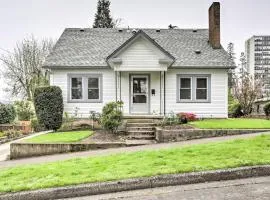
[(65, 156), (242, 189), (4, 148)]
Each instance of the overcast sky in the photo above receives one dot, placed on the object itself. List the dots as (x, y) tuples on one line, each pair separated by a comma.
[(240, 19)]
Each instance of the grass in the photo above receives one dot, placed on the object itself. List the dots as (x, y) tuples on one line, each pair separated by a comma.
[(234, 123), (221, 155), (62, 137)]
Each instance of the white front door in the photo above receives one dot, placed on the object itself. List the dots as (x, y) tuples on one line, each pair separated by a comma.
[(139, 94)]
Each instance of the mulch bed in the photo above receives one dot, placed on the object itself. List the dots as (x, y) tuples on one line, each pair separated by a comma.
[(103, 136), (179, 126)]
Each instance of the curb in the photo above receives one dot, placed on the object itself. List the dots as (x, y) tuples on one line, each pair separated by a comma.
[(139, 183)]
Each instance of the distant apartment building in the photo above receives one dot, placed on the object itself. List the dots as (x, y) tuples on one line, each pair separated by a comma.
[(258, 60)]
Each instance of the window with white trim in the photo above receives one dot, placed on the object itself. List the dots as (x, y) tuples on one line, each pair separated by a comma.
[(85, 88), (185, 88), (193, 88), (201, 88)]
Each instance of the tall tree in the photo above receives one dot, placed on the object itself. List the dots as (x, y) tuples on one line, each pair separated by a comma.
[(243, 65), (231, 73), (23, 66), (103, 18)]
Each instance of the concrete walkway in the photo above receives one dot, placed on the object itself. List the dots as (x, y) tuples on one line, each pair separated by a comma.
[(59, 157), (5, 148)]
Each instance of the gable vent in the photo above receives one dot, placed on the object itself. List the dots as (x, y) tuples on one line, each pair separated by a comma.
[(120, 30), (194, 31), (198, 52), (158, 30), (81, 30)]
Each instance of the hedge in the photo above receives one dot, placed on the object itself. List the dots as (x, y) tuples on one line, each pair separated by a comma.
[(49, 107), (7, 113)]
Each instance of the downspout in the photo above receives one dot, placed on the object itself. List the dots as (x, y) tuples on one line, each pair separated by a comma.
[(164, 77), (160, 96), (116, 85), (120, 82)]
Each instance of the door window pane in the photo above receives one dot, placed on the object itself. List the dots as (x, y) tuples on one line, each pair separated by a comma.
[(76, 88), (139, 99), (139, 85)]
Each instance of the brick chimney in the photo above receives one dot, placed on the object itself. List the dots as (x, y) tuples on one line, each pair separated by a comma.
[(214, 25)]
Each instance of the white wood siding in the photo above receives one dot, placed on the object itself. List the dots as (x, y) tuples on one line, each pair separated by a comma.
[(217, 108), (141, 56), (60, 77)]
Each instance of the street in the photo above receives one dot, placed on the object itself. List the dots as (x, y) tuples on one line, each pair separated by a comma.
[(243, 189)]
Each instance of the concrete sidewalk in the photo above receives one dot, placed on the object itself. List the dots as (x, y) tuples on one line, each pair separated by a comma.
[(60, 157), (5, 148)]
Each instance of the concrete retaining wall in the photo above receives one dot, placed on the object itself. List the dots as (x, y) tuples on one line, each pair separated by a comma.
[(163, 135), (22, 150)]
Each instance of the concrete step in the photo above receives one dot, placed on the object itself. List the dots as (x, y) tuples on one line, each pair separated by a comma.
[(144, 124), (140, 137), (139, 142), (140, 121), (141, 132), (136, 128)]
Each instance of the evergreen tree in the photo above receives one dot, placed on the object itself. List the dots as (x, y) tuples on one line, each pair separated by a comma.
[(231, 73), (103, 18)]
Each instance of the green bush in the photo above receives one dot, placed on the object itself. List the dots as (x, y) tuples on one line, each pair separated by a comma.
[(235, 110), (49, 107), (12, 133), (24, 110), (112, 116), (266, 109), (7, 113), (36, 126)]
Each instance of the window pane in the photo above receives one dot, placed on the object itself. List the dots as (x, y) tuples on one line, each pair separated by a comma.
[(185, 94), (93, 93), (201, 83), (139, 85), (185, 83), (201, 94), (76, 82), (92, 82), (76, 93), (139, 99)]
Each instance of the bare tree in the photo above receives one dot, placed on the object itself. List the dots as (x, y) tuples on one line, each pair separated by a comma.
[(246, 91), (231, 72), (23, 66)]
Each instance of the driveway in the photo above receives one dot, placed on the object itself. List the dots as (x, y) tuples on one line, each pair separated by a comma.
[(242, 189), (5, 148)]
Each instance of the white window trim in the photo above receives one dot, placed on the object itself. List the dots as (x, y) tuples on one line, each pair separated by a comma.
[(193, 88), (84, 88)]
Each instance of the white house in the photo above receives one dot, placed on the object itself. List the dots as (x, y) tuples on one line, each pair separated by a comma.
[(153, 71)]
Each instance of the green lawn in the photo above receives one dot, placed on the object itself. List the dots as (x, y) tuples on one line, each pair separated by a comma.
[(229, 154), (62, 137), (239, 123)]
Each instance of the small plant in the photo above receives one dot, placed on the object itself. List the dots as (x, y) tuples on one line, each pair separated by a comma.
[(7, 113), (67, 122), (49, 106), (94, 117), (24, 110), (12, 133), (112, 116), (186, 117), (235, 110), (170, 119), (266, 110)]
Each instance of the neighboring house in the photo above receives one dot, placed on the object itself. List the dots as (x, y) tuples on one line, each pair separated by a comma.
[(153, 71), (259, 105)]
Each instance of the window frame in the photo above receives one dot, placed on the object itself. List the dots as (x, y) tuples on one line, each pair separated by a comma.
[(207, 87), (193, 78), (85, 88)]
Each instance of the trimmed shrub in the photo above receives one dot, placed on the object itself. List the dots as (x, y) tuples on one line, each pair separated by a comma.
[(24, 110), (112, 116), (186, 117), (12, 133), (7, 113), (235, 110), (49, 106), (266, 109)]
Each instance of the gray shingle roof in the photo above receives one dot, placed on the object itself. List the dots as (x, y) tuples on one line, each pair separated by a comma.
[(91, 47)]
